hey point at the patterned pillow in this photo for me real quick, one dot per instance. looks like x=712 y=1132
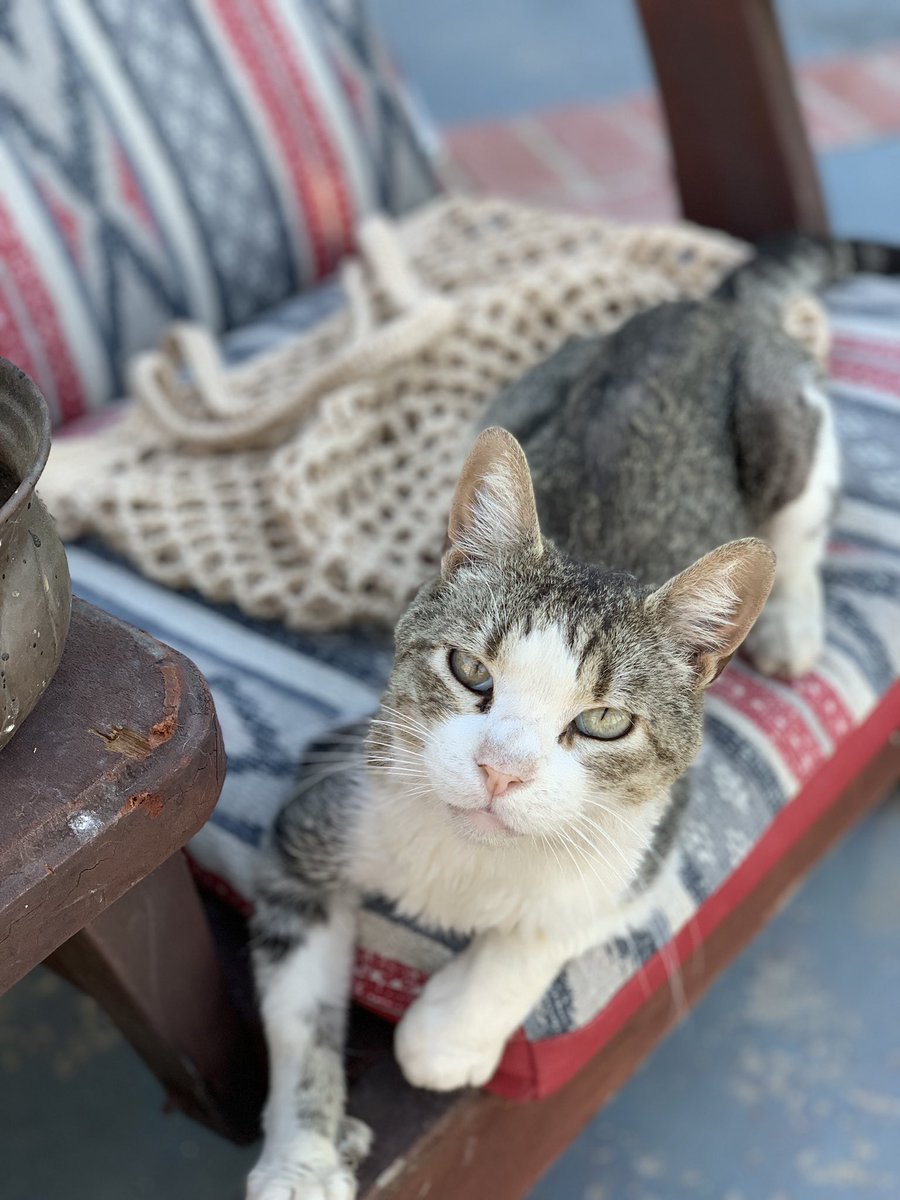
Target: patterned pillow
x=173 y=158
x=774 y=756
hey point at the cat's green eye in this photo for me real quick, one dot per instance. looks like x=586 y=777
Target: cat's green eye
x=470 y=672
x=606 y=724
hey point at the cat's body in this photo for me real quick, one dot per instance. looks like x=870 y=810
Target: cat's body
x=545 y=699
x=642 y=445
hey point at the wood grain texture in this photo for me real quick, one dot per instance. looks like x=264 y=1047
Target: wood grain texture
x=118 y=766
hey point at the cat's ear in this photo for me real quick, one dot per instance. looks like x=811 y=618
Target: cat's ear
x=710 y=608
x=493 y=510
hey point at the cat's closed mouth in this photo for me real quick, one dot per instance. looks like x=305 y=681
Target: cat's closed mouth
x=482 y=821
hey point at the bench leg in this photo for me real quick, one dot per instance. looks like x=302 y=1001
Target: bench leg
x=150 y=962
x=742 y=157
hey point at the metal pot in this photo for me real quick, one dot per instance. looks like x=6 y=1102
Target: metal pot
x=35 y=593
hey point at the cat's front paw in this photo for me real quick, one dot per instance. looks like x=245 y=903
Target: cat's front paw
x=435 y=1053
x=303 y=1175
x=788 y=637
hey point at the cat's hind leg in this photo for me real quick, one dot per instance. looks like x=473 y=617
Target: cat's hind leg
x=303 y=936
x=789 y=634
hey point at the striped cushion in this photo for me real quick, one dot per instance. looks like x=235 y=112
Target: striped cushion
x=774 y=757
x=169 y=158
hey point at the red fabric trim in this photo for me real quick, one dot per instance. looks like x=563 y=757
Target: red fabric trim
x=309 y=153
x=883 y=379
x=384 y=986
x=13 y=344
x=783 y=727
x=217 y=885
x=826 y=704
x=532 y=1071
x=884 y=344
x=64 y=385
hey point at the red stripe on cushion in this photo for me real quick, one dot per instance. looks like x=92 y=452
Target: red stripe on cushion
x=384 y=986
x=130 y=190
x=778 y=721
x=532 y=1071
x=309 y=152
x=12 y=340
x=65 y=219
x=868 y=362
x=64 y=385
x=880 y=379
x=830 y=710
x=847 y=344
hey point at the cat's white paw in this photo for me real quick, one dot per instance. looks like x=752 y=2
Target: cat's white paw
x=354 y=1141
x=788 y=637
x=321 y=1177
x=437 y=1053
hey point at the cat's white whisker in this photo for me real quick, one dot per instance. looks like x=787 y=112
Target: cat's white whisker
x=545 y=841
x=670 y=964
x=617 y=816
x=567 y=841
x=412 y=721
x=579 y=871
x=616 y=873
x=585 y=821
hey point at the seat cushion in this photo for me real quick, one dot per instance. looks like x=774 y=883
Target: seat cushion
x=775 y=756
x=202 y=158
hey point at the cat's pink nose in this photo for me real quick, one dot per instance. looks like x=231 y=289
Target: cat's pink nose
x=497 y=781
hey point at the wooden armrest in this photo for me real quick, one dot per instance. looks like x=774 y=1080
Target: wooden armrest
x=743 y=162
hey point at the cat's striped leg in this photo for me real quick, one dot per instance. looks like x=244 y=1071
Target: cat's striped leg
x=789 y=634
x=303 y=953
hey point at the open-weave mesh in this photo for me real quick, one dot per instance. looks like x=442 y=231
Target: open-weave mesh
x=312 y=484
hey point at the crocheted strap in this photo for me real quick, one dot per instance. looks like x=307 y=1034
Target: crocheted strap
x=223 y=420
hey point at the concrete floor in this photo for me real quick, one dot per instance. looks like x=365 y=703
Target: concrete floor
x=784 y=1084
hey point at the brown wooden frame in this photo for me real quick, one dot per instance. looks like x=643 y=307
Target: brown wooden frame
x=742 y=158
x=117 y=767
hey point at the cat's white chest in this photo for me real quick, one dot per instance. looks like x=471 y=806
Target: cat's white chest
x=409 y=853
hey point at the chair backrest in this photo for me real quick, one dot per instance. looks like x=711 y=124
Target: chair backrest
x=181 y=158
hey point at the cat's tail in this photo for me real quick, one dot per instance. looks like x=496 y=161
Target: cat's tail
x=802 y=262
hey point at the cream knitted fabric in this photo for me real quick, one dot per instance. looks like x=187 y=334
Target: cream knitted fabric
x=312 y=484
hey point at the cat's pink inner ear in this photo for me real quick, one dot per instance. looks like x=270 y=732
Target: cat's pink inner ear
x=710 y=607
x=493 y=510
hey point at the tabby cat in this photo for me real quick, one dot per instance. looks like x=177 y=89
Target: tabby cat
x=547 y=688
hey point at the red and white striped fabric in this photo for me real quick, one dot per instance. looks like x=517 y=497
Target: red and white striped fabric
x=181 y=158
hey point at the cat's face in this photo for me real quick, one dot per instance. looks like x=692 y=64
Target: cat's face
x=537 y=697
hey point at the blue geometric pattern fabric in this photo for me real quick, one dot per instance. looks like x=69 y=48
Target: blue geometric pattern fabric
x=181 y=158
